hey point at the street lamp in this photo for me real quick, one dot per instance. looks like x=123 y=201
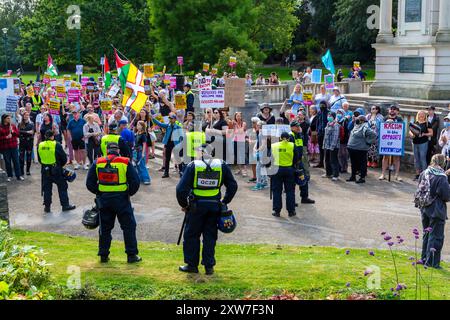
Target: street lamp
x=5 y=31
x=77 y=19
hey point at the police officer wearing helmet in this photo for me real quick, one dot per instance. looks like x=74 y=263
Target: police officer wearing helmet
x=113 y=137
x=198 y=193
x=296 y=137
x=52 y=157
x=284 y=158
x=113 y=179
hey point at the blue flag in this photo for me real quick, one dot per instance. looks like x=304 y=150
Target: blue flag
x=327 y=60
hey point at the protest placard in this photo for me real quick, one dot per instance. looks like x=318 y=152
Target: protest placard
x=73 y=95
x=106 y=106
x=149 y=70
x=180 y=101
x=84 y=81
x=147 y=87
x=316 y=76
x=173 y=82
x=214 y=70
x=166 y=79
x=392 y=139
x=53 y=83
x=329 y=81
x=205 y=67
x=30 y=91
x=54 y=106
x=233 y=61
x=67 y=77
x=61 y=91
x=180 y=60
x=11 y=103
x=212 y=99
x=235 y=92
x=294 y=74
x=283 y=128
x=204 y=83
x=307 y=97
x=46 y=79
x=113 y=91
x=79 y=70
x=357 y=65
x=269 y=130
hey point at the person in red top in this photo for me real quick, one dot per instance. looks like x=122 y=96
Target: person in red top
x=9 y=135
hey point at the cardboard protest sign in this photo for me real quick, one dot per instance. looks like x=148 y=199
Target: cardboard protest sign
x=54 y=106
x=147 y=87
x=307 y=97
x=180 y=101
x=113 y=91
x=392 y=139
x=106 y=106
x=233 y=61
x=214 y=99
x=180 y=60
x=235 y=92
x=73 y=94
x=61 y=91
x=11 y=103
x=204 y=83
x=30 y=91
x=316 y=76
x=149 y=70
x=329 y=81
x=214 y=70
x=166 y=79
x=16 y=84
x=205 y=67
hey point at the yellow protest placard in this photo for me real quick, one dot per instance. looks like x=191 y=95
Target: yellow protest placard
x=54 y=106
x=106 y=106
x=180 y=101
x=356 y=64
x=307 y=96
x=233 y=60
x=67 y=77
x=214 y=70
x=60 y=89
x=205 y=67
x=149 y=70
x=30 y=91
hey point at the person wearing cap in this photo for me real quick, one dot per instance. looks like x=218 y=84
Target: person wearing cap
x=284 y=158
x=172 y=137
x=331 y=144
x=266 y=114
x=113 y=179
x=199 y=195
x=392 y=117
x=113 y=137
x=336 y=100
x=190 y=98
x=297 y=138
x=75 y=127
x=126 y=134
x=434 y=121
x=53 y=158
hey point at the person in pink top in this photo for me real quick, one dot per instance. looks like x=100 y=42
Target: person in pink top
x=239 y=139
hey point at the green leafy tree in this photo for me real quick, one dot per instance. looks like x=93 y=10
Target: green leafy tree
x=245 y=63
x=322 y=21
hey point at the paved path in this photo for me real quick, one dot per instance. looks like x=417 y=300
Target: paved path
x=345 y=215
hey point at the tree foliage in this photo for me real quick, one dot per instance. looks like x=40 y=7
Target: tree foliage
x=245 y=63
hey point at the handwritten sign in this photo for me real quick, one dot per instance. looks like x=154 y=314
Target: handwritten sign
x=329 y=81
x=106 y=106
x=180 y=101
x=307 y=97
x=212 y=99
x=392 y=139
x=316 y=76
x=204 y=83
x=54 y=106
x=149 y=70
x=11 y=103
x=113 y=91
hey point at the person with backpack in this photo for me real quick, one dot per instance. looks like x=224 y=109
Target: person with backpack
x=431 y=196
x=361 y=138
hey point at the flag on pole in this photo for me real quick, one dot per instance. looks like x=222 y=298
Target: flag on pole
x=51 y=68
x=327 y=60
x=107 y=73
x=132 y=82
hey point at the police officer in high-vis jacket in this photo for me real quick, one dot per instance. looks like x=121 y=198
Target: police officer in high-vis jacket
x=283 y=159
x=113 y=179
x=52 y=157
x=114 y=137
x=198 y=193
x=302 y=160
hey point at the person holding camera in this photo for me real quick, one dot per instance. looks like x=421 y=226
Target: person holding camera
x=53 y=158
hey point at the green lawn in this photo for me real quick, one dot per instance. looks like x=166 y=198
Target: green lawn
x=253 y=271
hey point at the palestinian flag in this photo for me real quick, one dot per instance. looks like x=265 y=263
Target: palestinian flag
x=132 y=82
x=51 y=68
x=107 y=74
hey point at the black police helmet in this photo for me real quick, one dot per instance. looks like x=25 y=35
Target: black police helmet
x=49 y=134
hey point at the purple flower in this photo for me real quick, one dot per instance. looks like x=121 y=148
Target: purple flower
x=419 y=262
x=411 y=258
x=400 y=240
x=347 y=284
x=367 y=272
x=400 y=287
x=371 y=253
x=429 y=229
x=347 y=252
x=395 y=294
x=432 y=250
x=398 y=237
x=383 y=233
x=413 y=264
x=415 y=231
x=392 y=289
x=416 y=236
x=390 y=244
x=387 y=238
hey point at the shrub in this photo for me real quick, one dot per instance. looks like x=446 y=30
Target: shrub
x=245 y=63
x=23 y=271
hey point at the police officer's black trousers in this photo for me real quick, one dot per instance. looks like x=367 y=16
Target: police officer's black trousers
x=433 y=240
x=47 y=186
x=284 y=177
x=117 y=205
x=201 y=222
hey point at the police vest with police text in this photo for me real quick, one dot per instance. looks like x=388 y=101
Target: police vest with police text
x=112 y=174
x=298 y=142
x=207 y=178
x=194 y=140
x=283 y=153
x=36 y=102
x=47 y=152
x=109 y=138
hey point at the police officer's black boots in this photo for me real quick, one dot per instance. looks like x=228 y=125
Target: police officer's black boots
x=276 y=214
x=69 y=207
x=104 y=259
x=292 y=214
x=188 y=269
x=134 y=258
x=209 y=271
x=47 y=209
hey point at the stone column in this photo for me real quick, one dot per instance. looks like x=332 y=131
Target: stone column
x=443 y=33
x=385 y=34
x=4 y=212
